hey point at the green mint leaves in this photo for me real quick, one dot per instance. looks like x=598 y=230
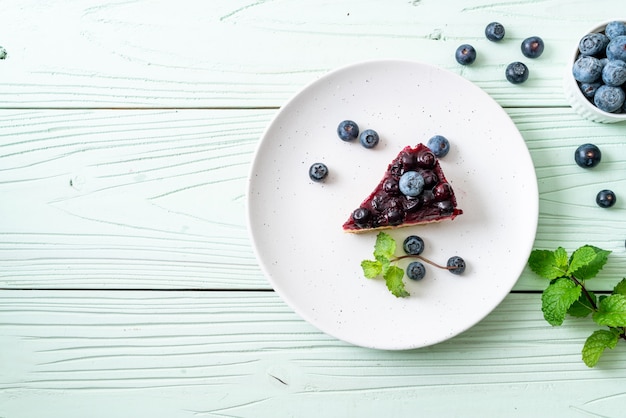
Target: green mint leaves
x=567 y=295
x=384 y=257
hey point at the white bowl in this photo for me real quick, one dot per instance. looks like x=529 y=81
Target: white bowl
x=576 y=99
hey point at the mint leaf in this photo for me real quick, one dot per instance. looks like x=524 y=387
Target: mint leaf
x=548 y=264
x=385 y=246
x=557 y=298
x=582 y=307
x=393 y=278
x=620 y=288
x=587 y=261
x=611 y=311
x=371 y=268
x=595 y=345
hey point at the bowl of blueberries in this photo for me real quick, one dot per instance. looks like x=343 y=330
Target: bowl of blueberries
x=595 y=79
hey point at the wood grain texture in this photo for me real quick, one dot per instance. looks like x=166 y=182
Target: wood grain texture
x=155 y=199
x=245 y=53
x=245 y=354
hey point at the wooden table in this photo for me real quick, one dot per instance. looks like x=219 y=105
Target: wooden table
x=129 y=285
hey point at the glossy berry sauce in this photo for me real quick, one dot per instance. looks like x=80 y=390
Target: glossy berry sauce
x=388 y=207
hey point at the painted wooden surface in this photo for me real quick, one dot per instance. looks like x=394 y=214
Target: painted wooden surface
x=128 y=286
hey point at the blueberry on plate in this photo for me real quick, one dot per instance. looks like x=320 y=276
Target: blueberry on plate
x=587 y=155
x=494 y=31
x=516 y=72
x=416 y=270
x=614 y=73
x=606 y=198
x=456 y=265
x=439 y=145
x=318 y=171
x=609 y=98
x=348 y=130
x=593 y=44
x=587 y=69
x=369 y=138
x=413 y=245
x=532 y=47
x=411 y=184
x=465 y=54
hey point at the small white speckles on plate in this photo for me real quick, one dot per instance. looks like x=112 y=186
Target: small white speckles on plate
x=295 y=224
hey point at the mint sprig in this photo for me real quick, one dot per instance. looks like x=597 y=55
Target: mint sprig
x=567 y=294
x=383 y=264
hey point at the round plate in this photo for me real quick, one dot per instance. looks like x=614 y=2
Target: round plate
x=296 y=224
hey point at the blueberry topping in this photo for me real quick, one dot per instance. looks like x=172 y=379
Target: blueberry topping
x=318 y=171
x=532 y=47
x=413 y=245
x=465 y=54
x=390 y=185
x=430 y=178
x=445 y=207
x=608 y=98
x=394 y=215
x=442 y=191
x=426 y=159
x=369 y=138
x=494 y=31
x=361 y=216
x=411 y=183
x=516 y=72
x=439 y=145
x=606 y=198
x=412 y=204
x=587 y=155
x=348 y=130
x=614 y=73
x=593 y=44
x=416 y=270
x=378 y=202
x=408 y=161
x=457 y=264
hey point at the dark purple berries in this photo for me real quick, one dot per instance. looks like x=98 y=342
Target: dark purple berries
x=413 y=245
x=494 y=31
x=361 y=216
x=416 y=271
x=456 y=265
x=587 y=155
x=348 y=130
x=606 y=198
x=532 y=47
x=465 y=54
x=318 y=172
x=516 y=72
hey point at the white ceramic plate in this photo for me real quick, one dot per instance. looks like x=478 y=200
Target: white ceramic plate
x=295 y=224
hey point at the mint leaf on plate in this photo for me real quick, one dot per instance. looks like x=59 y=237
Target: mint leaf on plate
x=371 y=268
x=393 y=279
x=557 y=298
x=385 y=246
x=595 y=345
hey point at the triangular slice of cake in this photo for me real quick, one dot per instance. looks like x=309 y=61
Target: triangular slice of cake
x=413 y=191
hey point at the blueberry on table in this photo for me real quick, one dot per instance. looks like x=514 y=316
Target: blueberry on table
x=413 y=245
x=318 y=171
x=615 y=29
x=532 y=47
x=606 y=198
x=465 y=54
x=609 y=98
x=516 y=72
x=587 y=69
x=616 y=49
x=411 y=184
x=416 y=270
x=614 y=73
x=348 y=130
x=439 y=145
x=587 y=155
x=456 y=265
x=494 y=31
x=369 y=138
x=593 y=44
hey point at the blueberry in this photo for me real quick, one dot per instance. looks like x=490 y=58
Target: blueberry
x=394 y=215
x=494 y=31
x=614 y=73
x=413 y=245
x=532 y=47
x=457 y=264
x=348 y=130
x=587 y=69
x=426 y=159
x=416 y=270
x=616 y=49
x=411 y=183
x=361 y=216
x=593 y=44
x=606 y=198
x=465 y=54
x=609 y=99
x=369 y=138
x=318 y=171
x=587 y=155
x=516 y=72
x=615 y=29
x=589 y=89
x=442 y=191
x=439 y=145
